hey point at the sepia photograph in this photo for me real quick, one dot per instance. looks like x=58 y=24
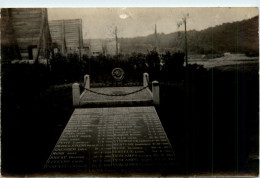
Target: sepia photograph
x=129 y=91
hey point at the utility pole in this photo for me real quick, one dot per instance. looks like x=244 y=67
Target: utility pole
x=186 y=47
x=116 y=42
x=156 y=38
x=187 y=85
x=184 y=21
x=80 y=43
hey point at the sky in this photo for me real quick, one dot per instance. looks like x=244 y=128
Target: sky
x=129 y=3
x=132 y=22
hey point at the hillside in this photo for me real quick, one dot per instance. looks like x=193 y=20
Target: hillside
x=236 y=37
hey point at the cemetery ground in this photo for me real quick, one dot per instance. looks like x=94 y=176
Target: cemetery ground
x=212 y=123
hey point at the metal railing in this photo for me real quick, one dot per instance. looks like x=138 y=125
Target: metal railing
x=123 y=94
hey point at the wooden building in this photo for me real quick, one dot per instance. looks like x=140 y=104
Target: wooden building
x=25 y=34
x=67 y=36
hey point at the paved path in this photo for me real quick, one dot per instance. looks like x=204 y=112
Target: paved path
x=119 y=139
x=142 y=98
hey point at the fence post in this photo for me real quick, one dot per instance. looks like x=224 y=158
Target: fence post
x=145 y=79
x=75 y=94
x=156 y=92
x=87 y=81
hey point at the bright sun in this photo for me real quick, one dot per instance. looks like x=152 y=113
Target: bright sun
x=123 y=16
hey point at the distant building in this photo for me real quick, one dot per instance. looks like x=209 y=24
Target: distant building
x=85 y=51
x=67 y=36
x=25 y=34
x=86 y=48
x=96 y=47
x=101 y=46
x=110 y=47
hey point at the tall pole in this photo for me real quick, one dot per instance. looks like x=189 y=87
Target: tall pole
x=156 y=38
x=116 y=42
x=79 y=43
x=187 y=101
x=186 y=48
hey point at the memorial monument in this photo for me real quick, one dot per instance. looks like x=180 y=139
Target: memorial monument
x=117 y=139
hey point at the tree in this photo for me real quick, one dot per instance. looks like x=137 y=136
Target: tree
x=153 y=62
x=173 y=65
